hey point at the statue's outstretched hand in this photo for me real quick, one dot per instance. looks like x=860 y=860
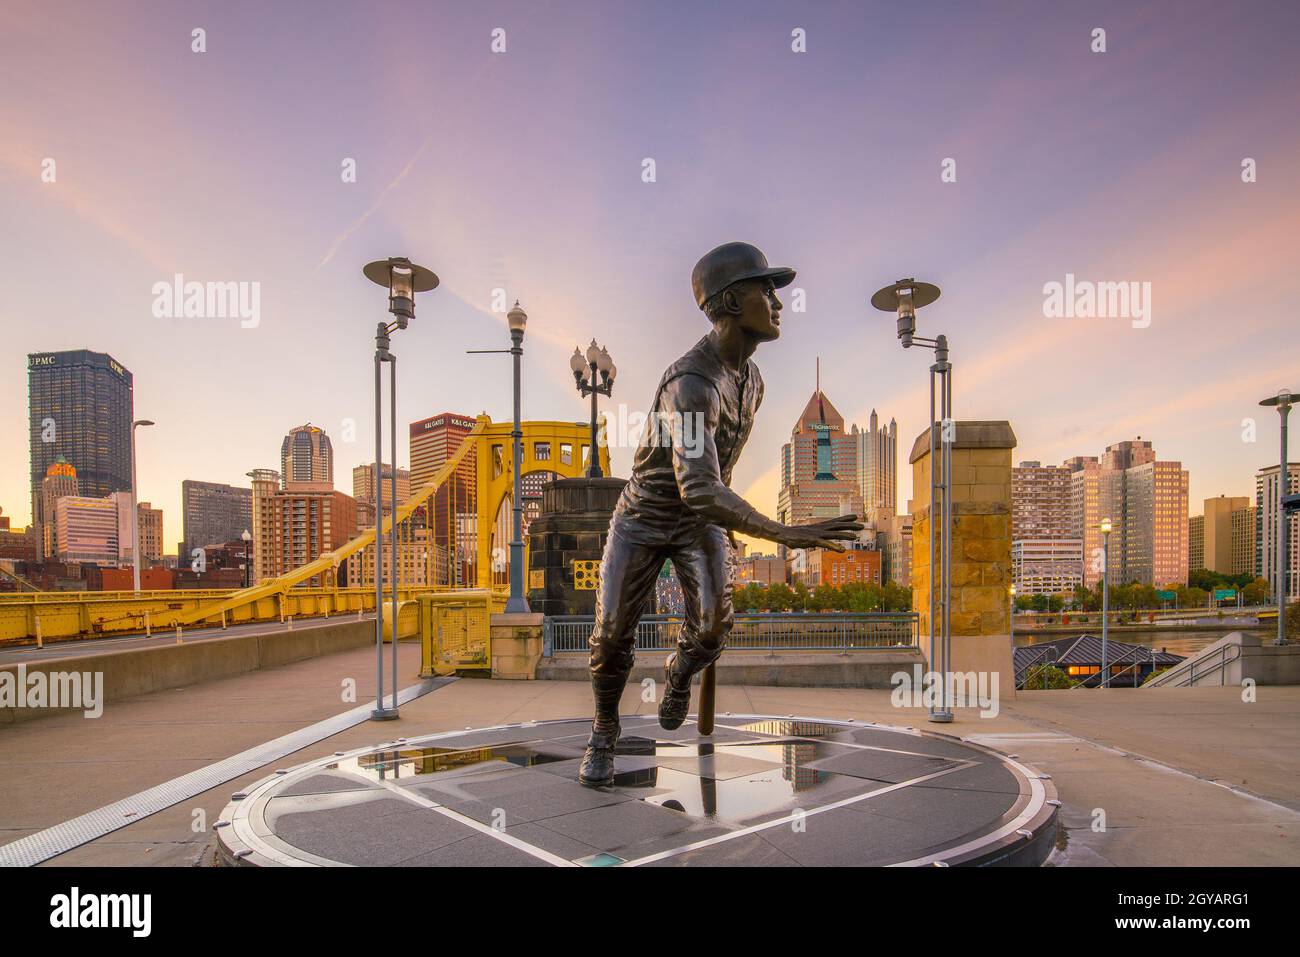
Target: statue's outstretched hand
x=828 y=533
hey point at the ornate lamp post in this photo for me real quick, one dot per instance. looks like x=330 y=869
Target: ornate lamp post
x=1011 y=619
x=135 y=508
x=517 y=602
x=599 y=381
x=403 y=279
x=904 y=298
x=1282 y=402
x=1105 y=527
x=248 y=541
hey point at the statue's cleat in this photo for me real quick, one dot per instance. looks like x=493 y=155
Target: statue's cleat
x=674 y=704
x=597 y=767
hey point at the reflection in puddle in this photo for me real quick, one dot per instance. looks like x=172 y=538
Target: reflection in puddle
x=798 y=729
x=708 y=785
x=389 y=765
x=735 y=800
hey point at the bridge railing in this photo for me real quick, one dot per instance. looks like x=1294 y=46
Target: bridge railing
x=771 y=631
x=51 y=616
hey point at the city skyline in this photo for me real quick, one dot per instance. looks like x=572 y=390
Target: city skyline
x=211 y=179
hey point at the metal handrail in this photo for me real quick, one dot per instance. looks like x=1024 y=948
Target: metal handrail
x=1050 y=655
x=769 y=631
x=1173 y=678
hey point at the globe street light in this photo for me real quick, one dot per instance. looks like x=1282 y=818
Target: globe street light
x=1105 y=527
x=517 y=603
x=903 y=298
x=600 y=381
x=247 y=539
x=135 y=509
x=403 y=279
x=1282 y=402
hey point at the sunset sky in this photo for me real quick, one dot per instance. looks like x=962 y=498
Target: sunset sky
x=523 y=170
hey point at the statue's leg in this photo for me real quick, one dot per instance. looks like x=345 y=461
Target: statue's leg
x=703 y=566
x=628 y=571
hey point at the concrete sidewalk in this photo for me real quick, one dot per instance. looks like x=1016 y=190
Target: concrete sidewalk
x=1181 y=776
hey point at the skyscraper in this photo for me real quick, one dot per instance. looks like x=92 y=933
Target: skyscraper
x=213 y=514
x=1218 y=547
x=1040 y=501
x=1195 y=543
x=363 y=486
x=306 y=456
x=309 y=520
x=1146 y=501
x=1266 y=529
x=1085 y=512
x=60 y=480
x=1046 y=552
x=88 y=528
x=1243 y=541
x=151 y=532
x=265 y=545
x=81 y=409
x=819 y=477
x=877 y=468
x=454 y=515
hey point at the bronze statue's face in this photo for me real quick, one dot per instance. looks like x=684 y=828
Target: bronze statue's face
x=760 y=309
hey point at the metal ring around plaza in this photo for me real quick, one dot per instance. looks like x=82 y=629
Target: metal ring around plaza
x=779 y=790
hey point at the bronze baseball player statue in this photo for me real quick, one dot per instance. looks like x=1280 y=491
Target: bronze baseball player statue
x=678 y=504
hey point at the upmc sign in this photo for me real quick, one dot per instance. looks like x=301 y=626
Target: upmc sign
x=42 y=360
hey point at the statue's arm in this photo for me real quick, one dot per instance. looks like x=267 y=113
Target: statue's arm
x=694 y=403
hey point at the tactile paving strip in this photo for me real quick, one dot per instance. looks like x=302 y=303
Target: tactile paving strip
x=53 y=841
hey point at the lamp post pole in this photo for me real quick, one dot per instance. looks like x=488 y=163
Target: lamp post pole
x=248 y=540
x=135 y=510
x=599 y=380
x=517 y=603
x=904 y=298
x=1105 y=598
x=1011 y=619
x=1282 y=401
x=403 y=279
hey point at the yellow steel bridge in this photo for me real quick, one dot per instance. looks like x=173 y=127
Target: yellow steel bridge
x=441 y=548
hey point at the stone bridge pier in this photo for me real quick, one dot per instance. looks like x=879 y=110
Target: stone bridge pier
x=981 y=547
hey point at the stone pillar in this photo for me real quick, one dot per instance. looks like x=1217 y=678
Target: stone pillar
x=981 y=548
x=516 y=640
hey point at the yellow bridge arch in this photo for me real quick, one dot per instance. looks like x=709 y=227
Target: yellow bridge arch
x=559 y=447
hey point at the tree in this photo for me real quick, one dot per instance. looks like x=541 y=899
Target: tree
x=1256 y=592
x=780 y=597
x=1046 y=677
x=751 y=597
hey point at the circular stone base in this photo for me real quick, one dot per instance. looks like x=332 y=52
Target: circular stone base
x=761 y=790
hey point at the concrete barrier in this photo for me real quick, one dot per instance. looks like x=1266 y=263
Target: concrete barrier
x=139 y=671
x=1232 y=659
